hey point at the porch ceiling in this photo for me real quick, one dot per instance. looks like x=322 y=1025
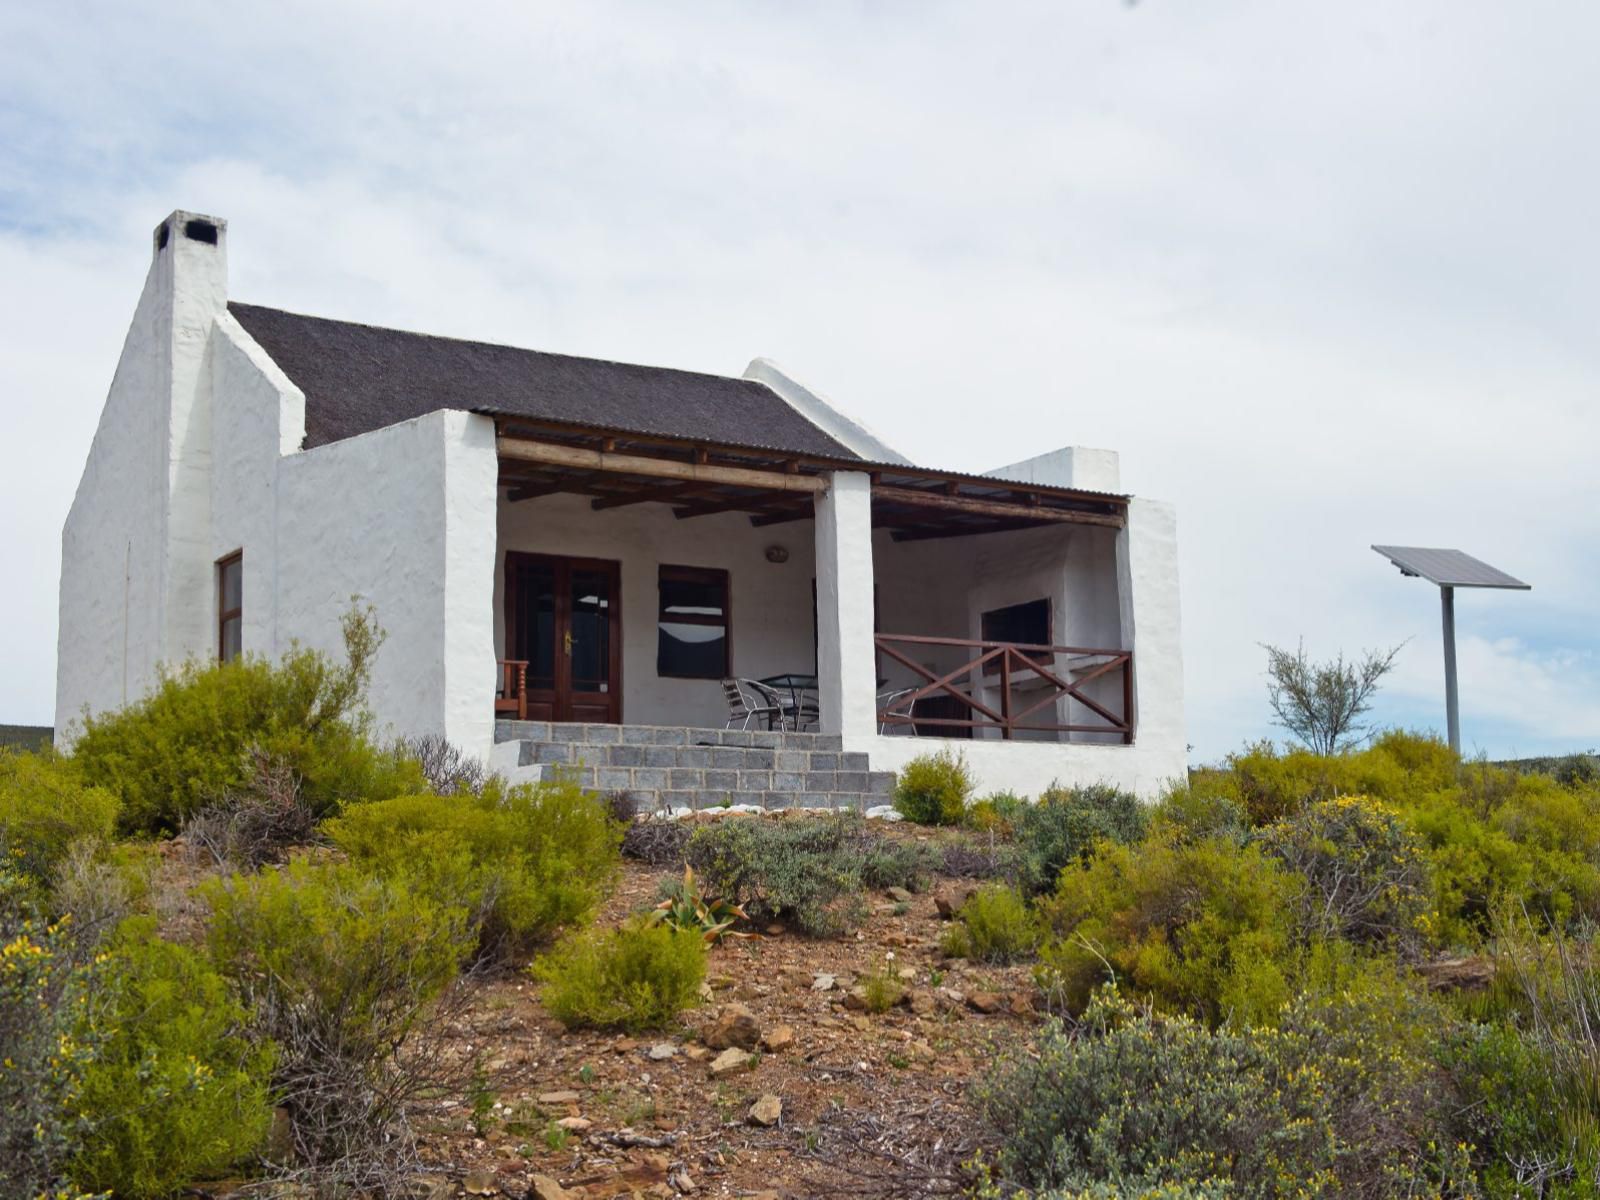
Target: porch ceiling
x=615 y=469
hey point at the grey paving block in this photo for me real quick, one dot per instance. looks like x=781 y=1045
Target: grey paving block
x=851 y=781
x=602 y=735
x=793 y=760
x=724 y=780
x=853 y=760
x=881 y=783
x=686 y=777
x=694 y=756
x=651 y=778
x=613 y=779
x=669 y=735
x=626 y=755
x=822 y=781
x=788 y=781
x=554 y=752
x=827 y=760
x=755 y=781
x=661 y=756
x=566 y=733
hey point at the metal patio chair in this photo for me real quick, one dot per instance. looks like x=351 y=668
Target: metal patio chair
x=750 y=701
x=897 y=703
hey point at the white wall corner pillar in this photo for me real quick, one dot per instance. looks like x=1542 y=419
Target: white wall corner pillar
x=1147 y=583
x=471 y=475
x=846 y=675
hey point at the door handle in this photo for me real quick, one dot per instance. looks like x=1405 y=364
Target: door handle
x=567 y=642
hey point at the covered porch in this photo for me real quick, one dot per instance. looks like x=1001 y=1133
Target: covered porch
x=648 y=581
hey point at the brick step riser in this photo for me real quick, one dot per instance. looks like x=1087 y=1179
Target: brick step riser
x=697 y=777
x=662 y=735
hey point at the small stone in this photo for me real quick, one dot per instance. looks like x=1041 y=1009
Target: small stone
x=779 y=1037
x=856 y=999
x=1020 y=1004
x=774 y=930
x=567 y=1097
x=480 y=1183
x=735 y=1025
x=575 y=1124
x=822 y=983
x=899 y=895
x=984 y=1002
x=731 y=1061
x=696 y=1053
x=662 y=1051
x=705 y=990
x=767 y=1111
x=907 y=974
x=624 y=1045
x=862 y=1024
x=920 y=1002
x=545 y=1188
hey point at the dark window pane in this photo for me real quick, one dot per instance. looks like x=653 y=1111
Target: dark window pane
x=232 y=584
x=704 y=597
x=1026 y=623
x=232 y=638
x=691 y=651
x=591 y=631
x=536 y=625
x=692 y=625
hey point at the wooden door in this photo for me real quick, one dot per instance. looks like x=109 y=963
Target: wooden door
x=564 y=618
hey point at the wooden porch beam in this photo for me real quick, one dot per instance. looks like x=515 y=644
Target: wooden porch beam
x=579 y=458
x=756 y=504
x=782 y=518
x=672 y=491
x=914 y=498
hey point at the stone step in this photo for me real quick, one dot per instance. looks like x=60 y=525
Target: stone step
x=660 y=766
x=661 y=735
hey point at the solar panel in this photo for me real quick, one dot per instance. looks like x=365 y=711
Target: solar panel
x=1448 y=568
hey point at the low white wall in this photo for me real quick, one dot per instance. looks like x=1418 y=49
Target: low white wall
x=402 y=519
x=1028 y=768
x=771 y=602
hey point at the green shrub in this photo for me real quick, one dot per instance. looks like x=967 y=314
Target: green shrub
x=995 y=813
x=933 y=789
x=173 y=1094
x=1197 y=810
x=882 y=989
x=44 y=1049
x=1201 y=927
x=1063 y=827
x=340 y=970
x=993 y=926
x=1143 y=1102
x=1366 y=872
x=635 y=978
x=809 y=870
x=45 y=806
x=525 y=859
x=190 y=741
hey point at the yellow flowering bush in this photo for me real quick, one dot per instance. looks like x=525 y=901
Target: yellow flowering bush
x=1366 y=872
x=44 y=997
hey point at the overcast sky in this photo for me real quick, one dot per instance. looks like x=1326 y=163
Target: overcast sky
x=1324 y=274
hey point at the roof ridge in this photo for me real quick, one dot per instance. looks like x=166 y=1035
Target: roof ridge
x=466 y=341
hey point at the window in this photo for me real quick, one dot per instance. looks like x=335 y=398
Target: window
x=230 y=606
x=692 y=628
x=1025 y=624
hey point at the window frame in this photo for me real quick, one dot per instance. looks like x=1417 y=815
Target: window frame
x=719 y=576
x=224 y=615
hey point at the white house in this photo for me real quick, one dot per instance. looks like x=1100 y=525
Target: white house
x=570 y=557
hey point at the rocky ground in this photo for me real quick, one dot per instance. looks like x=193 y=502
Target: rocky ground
x=781 y=1084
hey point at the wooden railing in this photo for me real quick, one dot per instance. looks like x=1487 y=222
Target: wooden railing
x=512 y=696
x=1006 y=664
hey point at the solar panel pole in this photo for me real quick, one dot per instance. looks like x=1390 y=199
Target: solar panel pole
x=1452 y=705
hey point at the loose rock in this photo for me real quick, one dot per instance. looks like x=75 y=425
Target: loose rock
x=730 y=1062
x=662 y=1051
x=565 y=1097
x=984 y=1002
x=779 y=1037
x=737 y=1026
x=545 y=1188
x=766 y=1111
x=480 y=1183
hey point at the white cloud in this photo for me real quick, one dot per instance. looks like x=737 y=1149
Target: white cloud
x=1325 y=275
